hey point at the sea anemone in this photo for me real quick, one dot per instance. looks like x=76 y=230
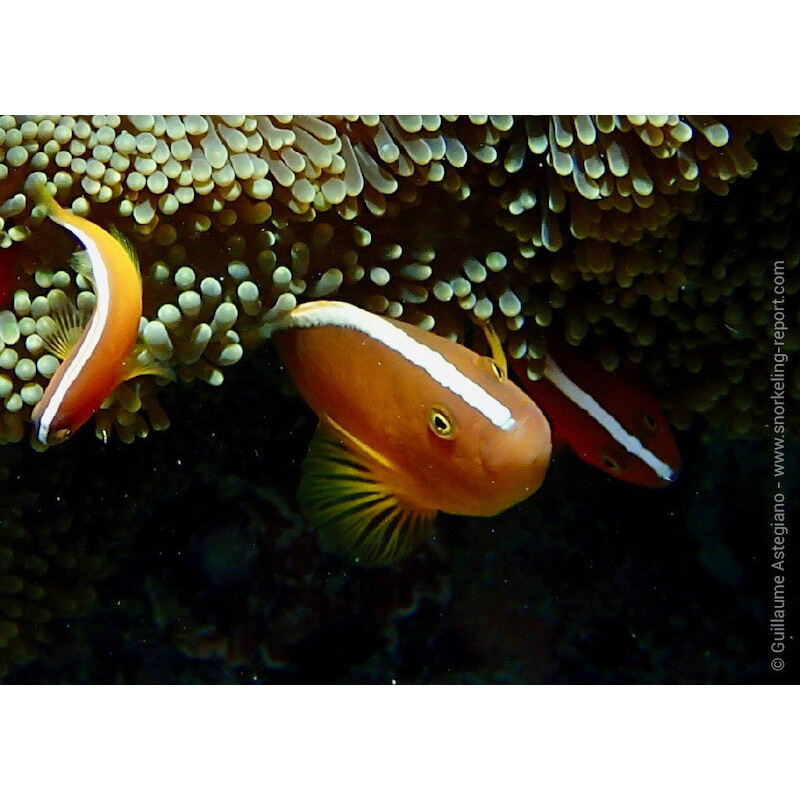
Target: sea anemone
x=643 y=239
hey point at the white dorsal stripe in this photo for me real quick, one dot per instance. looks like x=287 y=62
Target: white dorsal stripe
x=343 y=315
x=97 y=325
x=585 y=401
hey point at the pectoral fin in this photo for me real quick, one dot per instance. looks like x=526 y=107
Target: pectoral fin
x=67 y=325
x=346 y=491
x=82 y=264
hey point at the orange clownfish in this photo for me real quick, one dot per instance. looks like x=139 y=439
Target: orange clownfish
x=94 y=365
x=607 y=418
x=410 y=423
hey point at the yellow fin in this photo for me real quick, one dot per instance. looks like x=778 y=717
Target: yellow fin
x=127 y=245
x=354 y=513
x=79 y=261
x=68 y=327
x=498 y=354
x=134 y=367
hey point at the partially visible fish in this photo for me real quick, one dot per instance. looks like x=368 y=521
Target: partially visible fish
x=608 y=418
x=8 y=274
x=98 y=357
x=410 y=423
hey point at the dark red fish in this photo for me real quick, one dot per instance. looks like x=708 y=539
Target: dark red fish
x=8 y=274
x=609 y=419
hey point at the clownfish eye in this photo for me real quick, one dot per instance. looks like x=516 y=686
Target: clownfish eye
x=649 y=422
x=612 y=464
x=441 y=423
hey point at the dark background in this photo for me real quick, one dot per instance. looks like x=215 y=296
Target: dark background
x=193 y=564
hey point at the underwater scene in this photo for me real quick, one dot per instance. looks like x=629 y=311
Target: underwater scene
x=411 y=399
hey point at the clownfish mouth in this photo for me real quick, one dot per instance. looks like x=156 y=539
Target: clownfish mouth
x=513 y=466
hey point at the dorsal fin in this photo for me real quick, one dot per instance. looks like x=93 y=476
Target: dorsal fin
x=127 y=246
x=498 y=354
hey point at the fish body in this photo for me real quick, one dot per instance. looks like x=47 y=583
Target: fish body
x=95 y=365
x=424 y=425
x=8 y=274
x=609 y=419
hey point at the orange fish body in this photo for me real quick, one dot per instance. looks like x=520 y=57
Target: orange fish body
x=96 y=364
x=434 y=425
x=608 y=418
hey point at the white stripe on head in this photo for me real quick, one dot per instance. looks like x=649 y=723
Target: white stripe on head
x=97 y=324
x=343 y=315
x=585 y=401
